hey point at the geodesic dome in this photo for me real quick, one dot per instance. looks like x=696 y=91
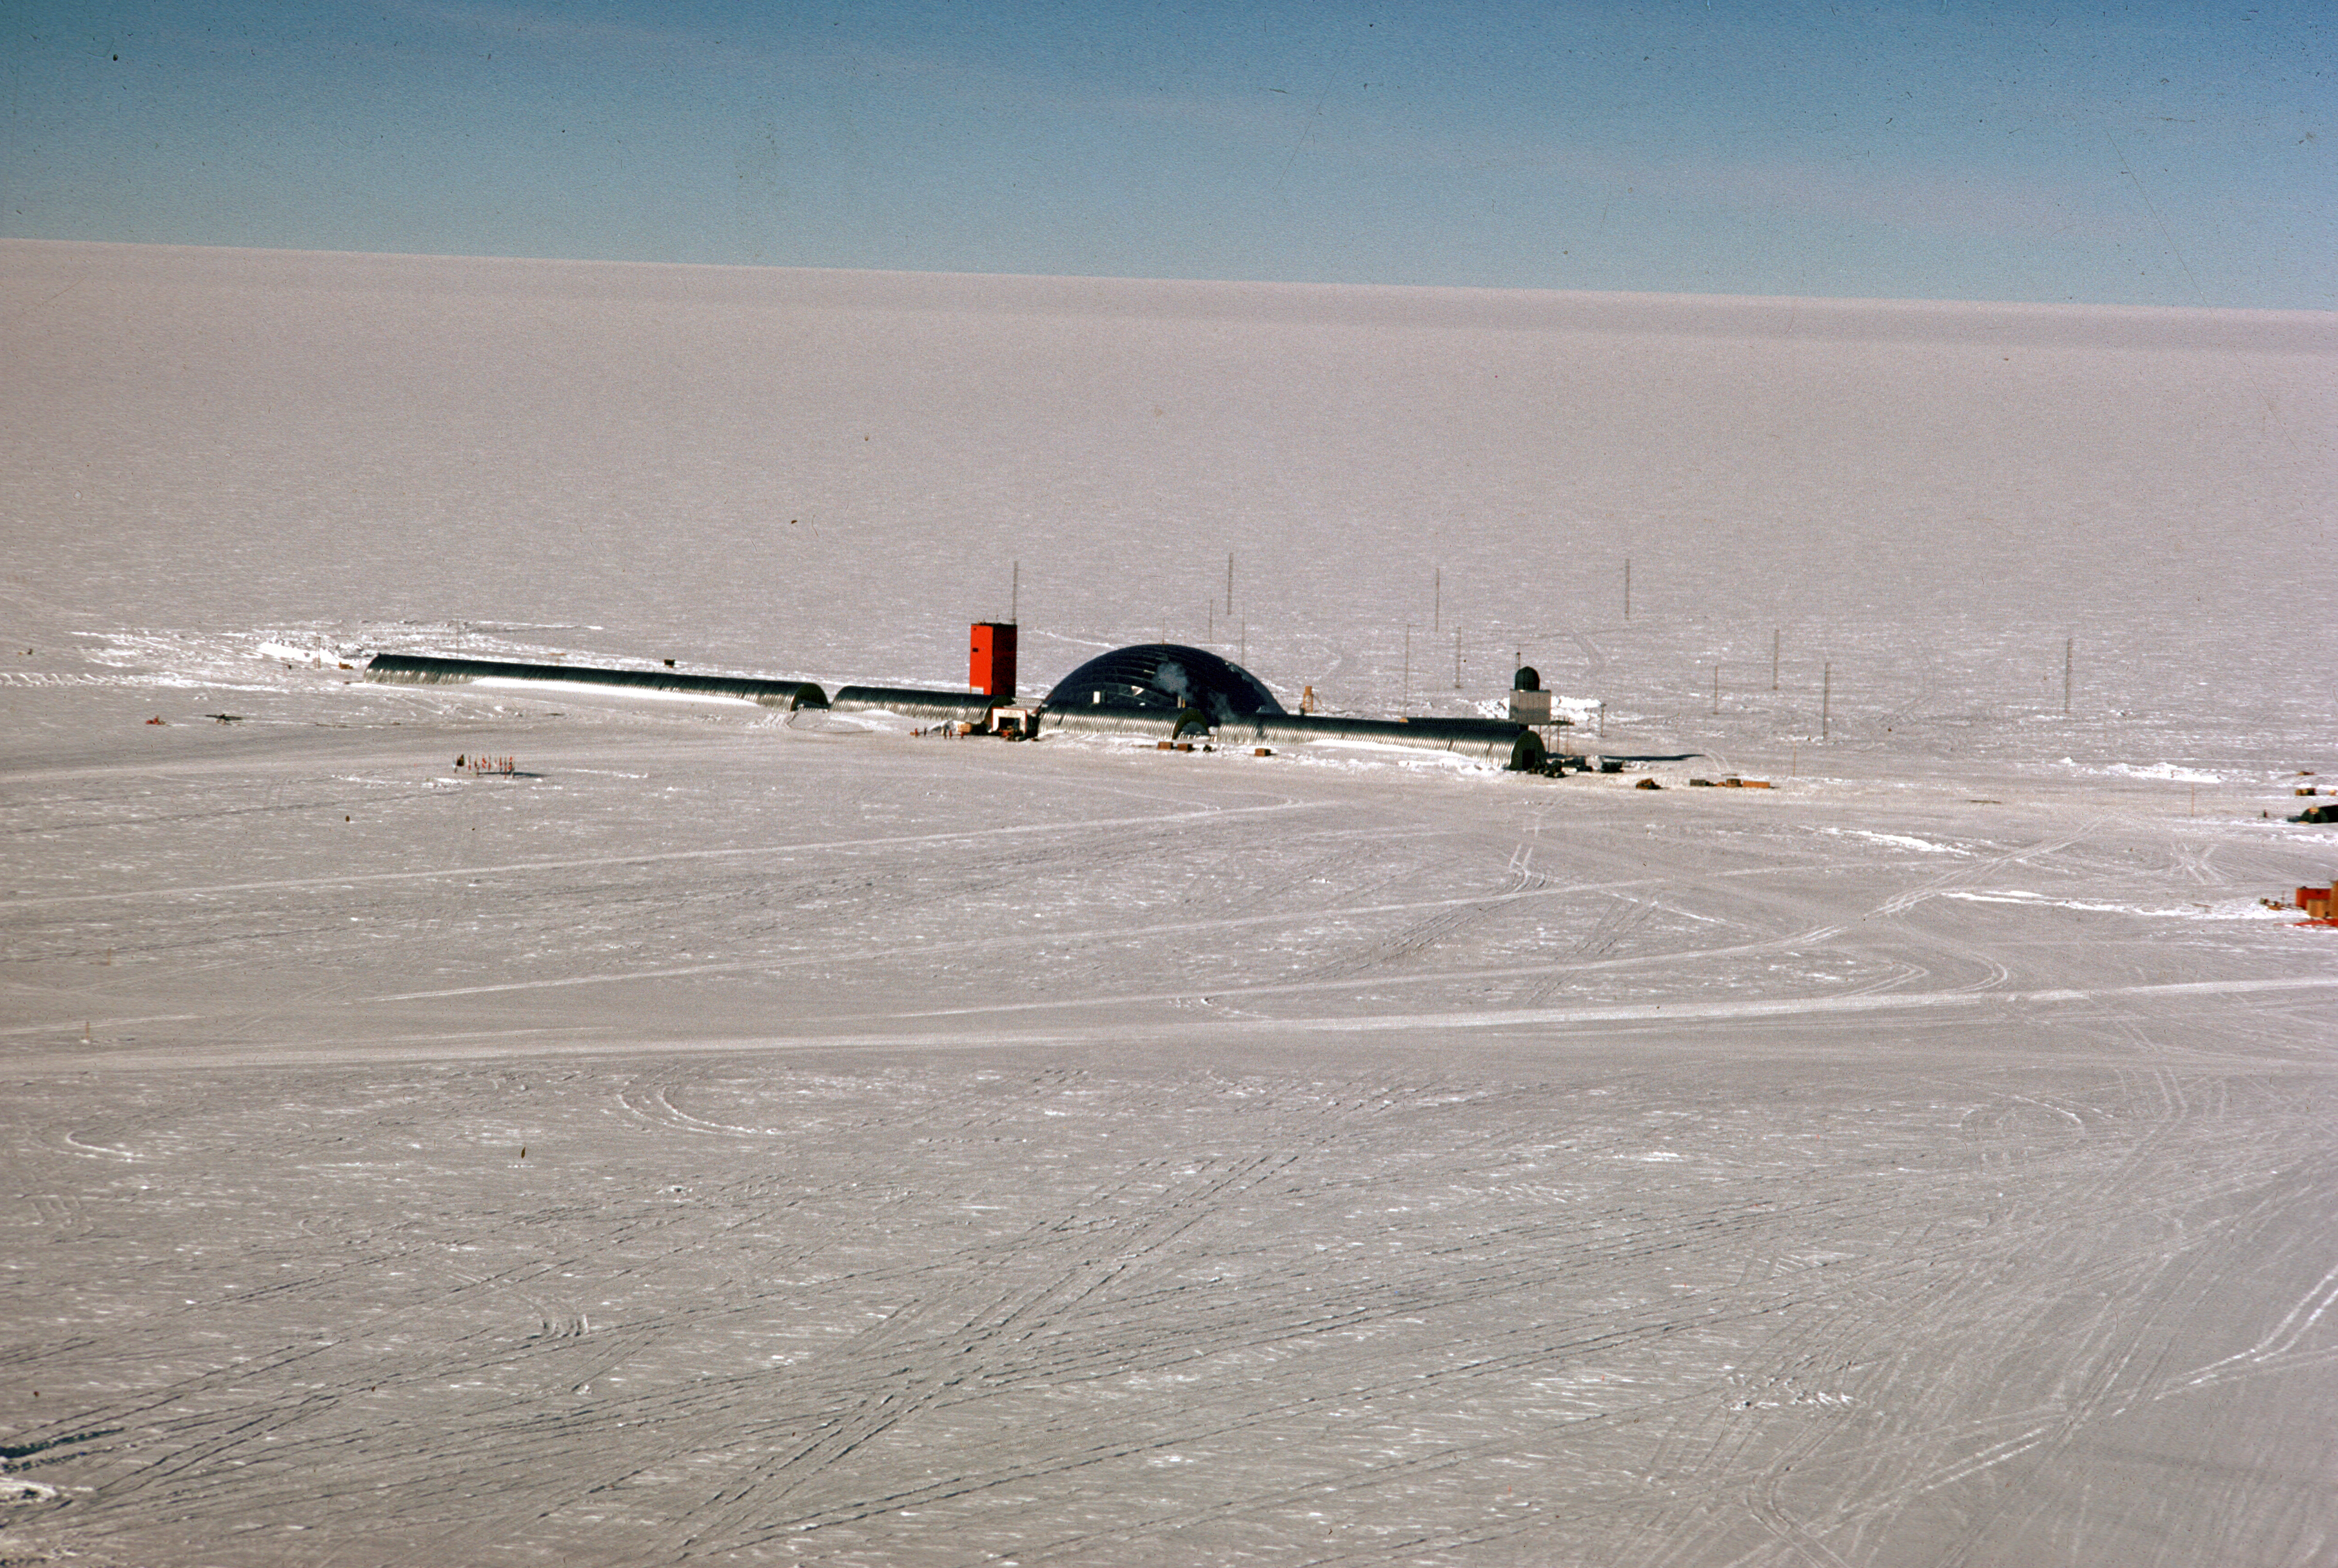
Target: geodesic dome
x=1167 y=676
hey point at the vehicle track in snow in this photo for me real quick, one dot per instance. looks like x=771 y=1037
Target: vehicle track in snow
x=1182 y=1265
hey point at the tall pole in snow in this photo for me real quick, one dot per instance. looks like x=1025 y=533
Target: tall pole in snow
x=1774 y=659
x=1826 y=698
x=1628 y=587
x=2070 y=644
x=1457 y=658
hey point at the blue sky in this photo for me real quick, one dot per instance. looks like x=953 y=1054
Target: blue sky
x=2152 y=155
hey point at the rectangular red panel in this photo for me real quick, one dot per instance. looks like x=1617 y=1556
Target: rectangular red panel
x=991 y=664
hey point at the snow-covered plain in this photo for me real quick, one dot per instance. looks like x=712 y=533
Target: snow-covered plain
x=750 y=1137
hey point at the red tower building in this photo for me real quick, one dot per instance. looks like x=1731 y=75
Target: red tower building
x=990 y=668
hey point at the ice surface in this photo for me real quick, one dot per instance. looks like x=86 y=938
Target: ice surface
x=748 y=1137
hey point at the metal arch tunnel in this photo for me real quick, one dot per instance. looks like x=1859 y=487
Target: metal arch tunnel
x=915 y=702
x=1514 y=747
x=424 y=670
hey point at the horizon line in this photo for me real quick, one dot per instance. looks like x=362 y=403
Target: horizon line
x=1446 y=289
